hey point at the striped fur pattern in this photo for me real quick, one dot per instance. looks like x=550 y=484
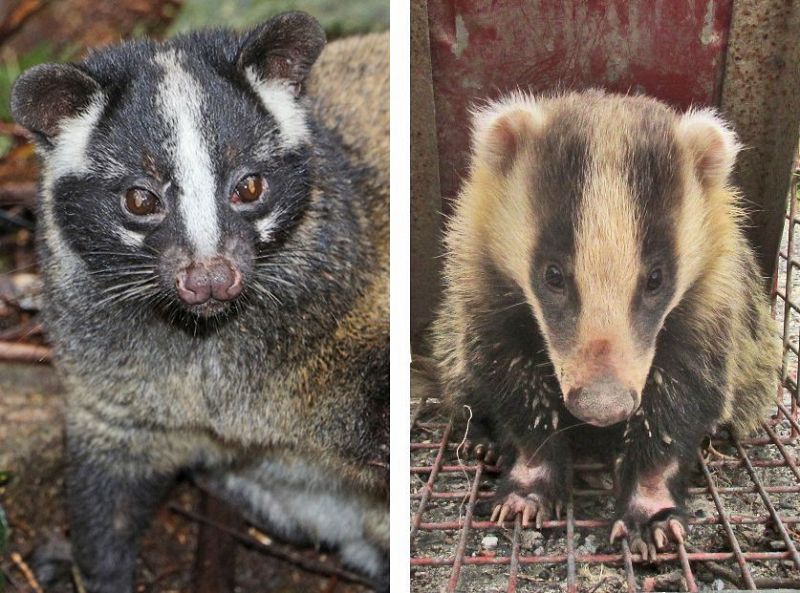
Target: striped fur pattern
x=598 y=280
x=278 y=399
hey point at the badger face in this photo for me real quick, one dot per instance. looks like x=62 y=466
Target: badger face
x=599 y=205
x=173 y=171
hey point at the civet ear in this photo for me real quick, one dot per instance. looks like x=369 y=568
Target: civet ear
x=46 y=95
x=284 y=48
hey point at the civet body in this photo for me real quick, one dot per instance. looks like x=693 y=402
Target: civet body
x=214 y=243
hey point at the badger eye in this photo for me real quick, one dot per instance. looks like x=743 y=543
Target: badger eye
x=654 y=280
x=250 y=189
x=554 y=277
x=142 y=202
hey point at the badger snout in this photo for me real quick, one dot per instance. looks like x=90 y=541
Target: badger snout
x=603 y=402
x=218 y=278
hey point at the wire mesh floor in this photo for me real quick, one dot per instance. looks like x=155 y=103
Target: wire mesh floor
x=744 y=504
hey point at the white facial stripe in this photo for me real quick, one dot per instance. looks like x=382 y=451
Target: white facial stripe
x=278 y=99
x=266 y=226
x=608 y=258
x=179 y=100
x=129 y=237
x=69 y=157
x=608 y=262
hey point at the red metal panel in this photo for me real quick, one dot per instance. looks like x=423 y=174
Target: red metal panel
x=482 y=48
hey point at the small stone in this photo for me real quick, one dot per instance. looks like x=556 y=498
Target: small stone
x=539 y=551
x=718 y=584
x=489 y=542
x=777 y=545
x=531 y=539
x=590 y=543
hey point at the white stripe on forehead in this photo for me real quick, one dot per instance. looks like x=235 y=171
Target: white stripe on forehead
x=179 y=102
x=278 y=98
x=607 y=251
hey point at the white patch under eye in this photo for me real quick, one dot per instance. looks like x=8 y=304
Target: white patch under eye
x=267 y=226
x=129 y=237
x=179 y=101
x=278 y=98
x=68 y=156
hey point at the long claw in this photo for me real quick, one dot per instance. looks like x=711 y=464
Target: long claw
x=651 y=552
x=676 y=529
x=526 y=515
x=660 y=538
x=544 y=515
x=618 y=531
x=558 y=510
x=639 y=547
x=495 y=513
x=503 y=513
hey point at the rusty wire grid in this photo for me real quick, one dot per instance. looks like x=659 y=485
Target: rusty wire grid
x=744 y=503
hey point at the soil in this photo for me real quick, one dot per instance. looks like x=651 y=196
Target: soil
x=607 y=578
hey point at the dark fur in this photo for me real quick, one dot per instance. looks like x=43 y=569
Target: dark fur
x=288 y=387
x=493 y=355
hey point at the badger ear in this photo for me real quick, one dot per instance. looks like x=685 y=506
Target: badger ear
x=283 y=48
x=45 y=95
x=711 y=143
x=501 y=130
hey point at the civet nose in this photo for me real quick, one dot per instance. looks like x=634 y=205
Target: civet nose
x=200 y=281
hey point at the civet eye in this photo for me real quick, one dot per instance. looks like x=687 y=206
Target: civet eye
x=142 y=202
x=250 y=189
x=654 y=280
x=554 y=277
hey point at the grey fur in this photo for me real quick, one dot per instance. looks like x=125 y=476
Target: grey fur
x=283 y=396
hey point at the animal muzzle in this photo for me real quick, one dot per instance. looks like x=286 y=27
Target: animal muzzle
x=200 y=281
x=602 y=402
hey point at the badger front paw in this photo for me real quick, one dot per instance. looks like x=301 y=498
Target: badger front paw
x=480 y=449
x=648 y=535
x=531 y=506
x=530 y=489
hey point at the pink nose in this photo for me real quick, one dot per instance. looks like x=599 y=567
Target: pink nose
x=200 y=281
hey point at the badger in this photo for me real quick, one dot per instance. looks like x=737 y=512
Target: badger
x=214 y=243
x=600 y=294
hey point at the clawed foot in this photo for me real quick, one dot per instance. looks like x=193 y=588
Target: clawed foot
x=653 y=536
x=530 y=506
x=479 y=450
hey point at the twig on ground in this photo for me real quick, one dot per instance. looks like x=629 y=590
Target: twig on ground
x=17 y=17
x=26 y=572
x=77 y=580
x=32 y=327
x=274 y=549
x=732 y=576
x=599 y=584
x=18 y=192
x=20 y=352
